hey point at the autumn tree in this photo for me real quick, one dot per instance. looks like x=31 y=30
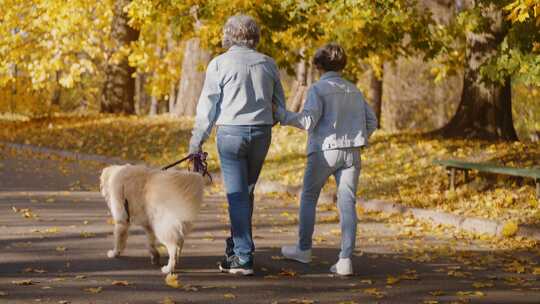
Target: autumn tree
x=485 y=109
x=119 y=85
x=500 y=46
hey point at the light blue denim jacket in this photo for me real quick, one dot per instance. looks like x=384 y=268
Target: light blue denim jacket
x=240 y=87
x=335 y=114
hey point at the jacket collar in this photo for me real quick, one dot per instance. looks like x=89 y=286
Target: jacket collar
x=330 y=74
x=236 y=48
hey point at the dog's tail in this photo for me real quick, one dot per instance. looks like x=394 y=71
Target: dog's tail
x=178 y=193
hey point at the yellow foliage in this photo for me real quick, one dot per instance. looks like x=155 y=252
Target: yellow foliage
x=510 y=228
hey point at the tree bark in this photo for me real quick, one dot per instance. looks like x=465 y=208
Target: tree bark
x=485 y=110
x=192 y=78
x=299 y=86
x=154 y=105
x=57 y=93
x=119 y=87
x=376 y=86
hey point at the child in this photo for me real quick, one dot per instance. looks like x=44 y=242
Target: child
x=339 y=122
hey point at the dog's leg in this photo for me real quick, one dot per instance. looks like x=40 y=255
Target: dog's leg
x=179 y=250
x=120 y=238
x=172 y=249
x=154 y=254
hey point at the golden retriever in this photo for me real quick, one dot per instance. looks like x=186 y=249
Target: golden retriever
x=164 y=203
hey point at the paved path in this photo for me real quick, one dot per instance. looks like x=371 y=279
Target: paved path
x=59 y=248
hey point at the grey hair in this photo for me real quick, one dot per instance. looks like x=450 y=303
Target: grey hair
x=241 y=30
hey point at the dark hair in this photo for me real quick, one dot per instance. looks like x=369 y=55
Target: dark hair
x=330 y=57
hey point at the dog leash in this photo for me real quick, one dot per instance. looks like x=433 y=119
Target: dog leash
x=199 y=163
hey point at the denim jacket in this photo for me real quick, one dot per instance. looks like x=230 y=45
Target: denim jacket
x=335 y=115
x=240 y=87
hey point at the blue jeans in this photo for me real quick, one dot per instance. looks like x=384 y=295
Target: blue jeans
x=242 y=150
x=344 y=164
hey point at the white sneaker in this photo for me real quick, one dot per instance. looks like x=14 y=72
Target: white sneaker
x=342 y=267
x=294 y=253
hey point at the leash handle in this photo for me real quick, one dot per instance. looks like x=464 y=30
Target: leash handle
x=198 y=161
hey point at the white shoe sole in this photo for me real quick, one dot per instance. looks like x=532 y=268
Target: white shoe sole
x=245 y=272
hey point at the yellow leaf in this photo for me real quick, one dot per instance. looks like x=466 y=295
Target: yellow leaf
x=168 y=300
x=229 y=296
x=436 y=293
x=392 y=280
x=172 y=280
x=23 y=282
x=374 y=292
x=301 y=301
x=470 y=293
x=93 y=289
x=482 y=284
x=510 y=228
x=52 y=230
x=120 y=283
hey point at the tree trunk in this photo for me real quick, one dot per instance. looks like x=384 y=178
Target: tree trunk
x=138 y=94
x=192 y=78
x=56 y=94
x=485 y=110
x=376 y=88
x=299 y=86
x=154 y=105
x=119 y=88
x=172 y=98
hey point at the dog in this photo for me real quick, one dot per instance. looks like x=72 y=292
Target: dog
x=164 y=203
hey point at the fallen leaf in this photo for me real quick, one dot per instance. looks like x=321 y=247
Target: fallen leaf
x=35 y=270
x=52 y=230
x=470 y=293
x=436 y=293
x=229 y=296
x=24 y=282
x=301 y=301
x=510 y=228
x=172 y=280
x=374 y=292
x=482 y=284
x=168 y=300
x=390 y=280
x=287 y=273
x=120 y=283
x=93 y=289
x=86 y=234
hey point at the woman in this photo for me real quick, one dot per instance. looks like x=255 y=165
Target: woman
x=240 y=87
x=339 y=122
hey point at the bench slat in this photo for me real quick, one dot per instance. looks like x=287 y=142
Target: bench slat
x=488 y=167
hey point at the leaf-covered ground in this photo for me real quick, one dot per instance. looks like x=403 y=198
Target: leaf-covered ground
x=396 y=167
x=54 y=241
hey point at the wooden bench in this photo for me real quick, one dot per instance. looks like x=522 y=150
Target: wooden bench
x=452 y=166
